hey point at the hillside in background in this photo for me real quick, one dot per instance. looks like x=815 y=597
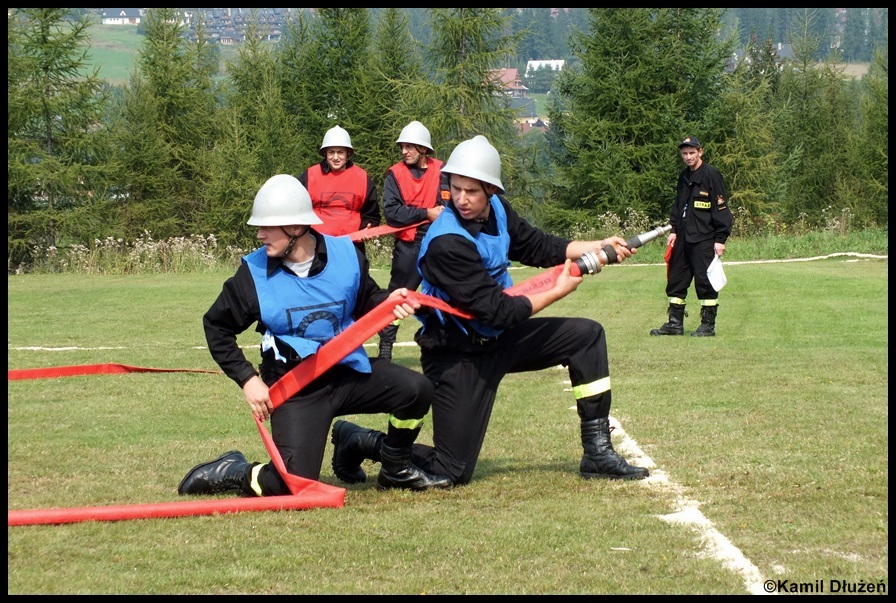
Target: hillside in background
x=114 y=51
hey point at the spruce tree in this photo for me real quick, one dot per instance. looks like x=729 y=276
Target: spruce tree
x=819 y=133
x=393 y=76
x=743 y=146
x=855 y=44
x=55 y=155
x=467 y=46
x=646 y=78
x=295 y=55
x=254 y=93
x=178 y=74
x=256 y=139
x=873 y=141
x=144 y=197
x=232 y=184
x=335 y=67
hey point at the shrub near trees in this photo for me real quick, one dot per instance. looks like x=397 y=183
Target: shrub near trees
x=180 y=152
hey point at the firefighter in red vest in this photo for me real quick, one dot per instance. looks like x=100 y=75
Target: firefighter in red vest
x=414 y=191
x=342 y=193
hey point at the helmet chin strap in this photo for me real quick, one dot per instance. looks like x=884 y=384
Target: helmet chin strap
x=292 y=240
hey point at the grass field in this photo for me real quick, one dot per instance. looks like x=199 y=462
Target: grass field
x=113 y=51
x=768 y=449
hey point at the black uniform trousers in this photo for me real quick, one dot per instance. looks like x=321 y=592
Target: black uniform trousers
x=404 y=274
x=690 y=261
x=467 y=384
x=300 y=426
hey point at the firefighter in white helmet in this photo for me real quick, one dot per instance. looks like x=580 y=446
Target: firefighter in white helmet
x=464 y=259
x=342 y=193
x=414 y=191
x=297 y=305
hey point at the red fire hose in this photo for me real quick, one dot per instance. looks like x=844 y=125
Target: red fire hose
x=376 y=231
x=306 y=493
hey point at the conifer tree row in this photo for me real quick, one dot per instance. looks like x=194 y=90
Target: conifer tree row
x=182 y=147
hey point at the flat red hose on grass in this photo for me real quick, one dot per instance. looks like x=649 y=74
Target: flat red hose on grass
x=306 y=493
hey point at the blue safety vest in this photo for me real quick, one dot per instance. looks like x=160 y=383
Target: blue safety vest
x=493 y=250
x=307 y=312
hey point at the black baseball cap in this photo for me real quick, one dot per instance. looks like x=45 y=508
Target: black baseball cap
x=690 y=141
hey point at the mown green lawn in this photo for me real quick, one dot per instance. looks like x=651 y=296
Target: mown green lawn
x=771 y=439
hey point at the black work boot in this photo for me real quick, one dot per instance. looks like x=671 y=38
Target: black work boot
x=398 y=472
x=600 y=460
x=385 y=350
x=387 y=339
x=220 y=475
x=351 y=445
x=707 y=326
x=675 y=326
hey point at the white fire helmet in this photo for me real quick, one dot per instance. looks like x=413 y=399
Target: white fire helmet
x=283 y=201
x=415 y=133
x=476 y=158
x=336 y=137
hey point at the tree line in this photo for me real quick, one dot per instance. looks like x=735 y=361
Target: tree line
x=544 y=32
x=180 y=150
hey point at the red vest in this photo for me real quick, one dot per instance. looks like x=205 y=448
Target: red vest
x=422 y=192
x=337 y=198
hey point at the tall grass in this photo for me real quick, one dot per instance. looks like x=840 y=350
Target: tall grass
x=203 y=253
x=197 y=253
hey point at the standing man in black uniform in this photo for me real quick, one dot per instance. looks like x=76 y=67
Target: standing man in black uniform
x=464 y=259
x=414 y=191
x=301 y=288
x=701 y=223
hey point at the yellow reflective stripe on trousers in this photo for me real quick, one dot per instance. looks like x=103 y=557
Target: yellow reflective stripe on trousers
x=253 y=483
x=677 y=301
x=591 y=389
x=407 y=424
x=710 y=302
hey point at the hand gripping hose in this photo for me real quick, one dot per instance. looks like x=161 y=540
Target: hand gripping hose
x=589 y=263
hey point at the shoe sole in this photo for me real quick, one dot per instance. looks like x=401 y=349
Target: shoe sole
x=382 y=488
x=615 y=477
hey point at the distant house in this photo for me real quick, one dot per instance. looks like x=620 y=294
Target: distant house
x=554 y=65
x=121 y=16
x=230 y=37
x=510 y=82
x=526 y=125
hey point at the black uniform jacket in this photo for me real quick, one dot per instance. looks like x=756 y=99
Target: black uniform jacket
x=236 y=309
x=701 y=208
x=454 y=265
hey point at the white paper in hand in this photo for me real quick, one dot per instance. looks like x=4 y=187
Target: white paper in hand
x=716 y=274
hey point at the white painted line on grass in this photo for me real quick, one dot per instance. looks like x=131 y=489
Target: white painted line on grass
x=34 y=348
x=716 y=545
